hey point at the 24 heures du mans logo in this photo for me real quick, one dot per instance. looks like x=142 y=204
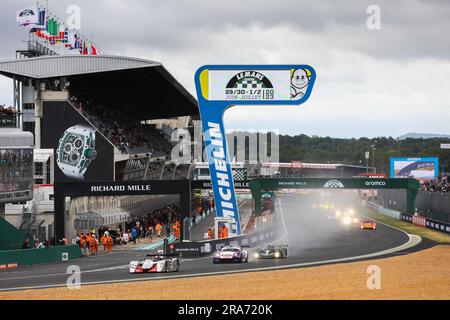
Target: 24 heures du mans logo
x=249 y=85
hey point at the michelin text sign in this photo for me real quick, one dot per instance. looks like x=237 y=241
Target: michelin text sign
x=221 y=86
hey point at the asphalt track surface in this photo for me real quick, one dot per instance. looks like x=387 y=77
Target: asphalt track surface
x=311 y=236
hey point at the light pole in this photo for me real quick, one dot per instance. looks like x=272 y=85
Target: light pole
x=367 y=156
x=373 y=158
x=447 y=147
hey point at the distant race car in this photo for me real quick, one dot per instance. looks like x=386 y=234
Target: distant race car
x=271 y=252
x=156 y=263
x=230 y=254
x=368 y=225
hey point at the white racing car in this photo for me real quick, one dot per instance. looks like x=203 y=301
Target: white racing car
x=156 y=263
x=230 y=254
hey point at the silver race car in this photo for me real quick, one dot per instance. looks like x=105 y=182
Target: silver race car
x=230 y=254
x=156 y=263
x=271 y=252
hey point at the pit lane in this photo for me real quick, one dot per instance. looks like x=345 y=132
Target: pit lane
x=321 y=242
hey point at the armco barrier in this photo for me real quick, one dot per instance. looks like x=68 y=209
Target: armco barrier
x=387 y=212
x=390 y=213
x=36 y=256
x=204 y=248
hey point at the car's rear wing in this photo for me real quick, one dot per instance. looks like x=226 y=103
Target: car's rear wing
x=163 y=255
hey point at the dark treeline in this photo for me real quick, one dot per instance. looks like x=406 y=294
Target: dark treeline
x=352 y=151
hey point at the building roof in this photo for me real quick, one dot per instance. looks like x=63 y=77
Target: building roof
x=68 y=65
x=144 y=88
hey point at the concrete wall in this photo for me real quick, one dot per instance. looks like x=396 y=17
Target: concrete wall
x=36 y=256
x=434 y=205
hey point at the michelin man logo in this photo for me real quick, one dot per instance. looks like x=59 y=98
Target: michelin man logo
x=299 y=83
x=333 y=184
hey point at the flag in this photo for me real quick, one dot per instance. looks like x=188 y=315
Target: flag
x=77 y=42
x=85 y=48
x=93 y=50
x=27 y=16
x=56 y=30
x=73 y=40
x=66 y=38
x=51 y=26
x=42 y=23
x=81 y=46
x=40 y=34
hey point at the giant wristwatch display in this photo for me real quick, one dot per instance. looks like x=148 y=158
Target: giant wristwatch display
x=76 y=150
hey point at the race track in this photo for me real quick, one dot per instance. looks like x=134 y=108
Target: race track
x=312 y=239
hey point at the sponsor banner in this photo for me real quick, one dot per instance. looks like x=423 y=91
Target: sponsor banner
x=81 y=152
x=203 y=248
x=250 y=85
x=347 y=183
x=253 y=83
x=438 y=225
x=419 y=168
x=5 y=266
x=406 y=217
x=220 y=87
x=27 y=16
x=419 y=220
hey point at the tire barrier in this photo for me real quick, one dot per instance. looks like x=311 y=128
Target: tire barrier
x=205 y=248
x=36 y=256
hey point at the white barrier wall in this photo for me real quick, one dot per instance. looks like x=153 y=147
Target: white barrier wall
x=387 y=212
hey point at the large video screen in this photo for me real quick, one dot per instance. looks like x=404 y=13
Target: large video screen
x=81 y=152
x=419 y=168
x=16 y=174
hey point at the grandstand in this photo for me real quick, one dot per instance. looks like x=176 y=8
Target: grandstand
x=133 y=105
x=297 y=169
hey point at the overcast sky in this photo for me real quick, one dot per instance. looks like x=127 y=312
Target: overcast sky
x=383 y=82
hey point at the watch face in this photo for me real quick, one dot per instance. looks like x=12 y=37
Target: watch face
x=72 y=149
x=76 y=150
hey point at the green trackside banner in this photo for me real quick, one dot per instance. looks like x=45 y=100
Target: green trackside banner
x=336 y=183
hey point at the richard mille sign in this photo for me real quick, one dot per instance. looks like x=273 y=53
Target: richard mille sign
x=121 y=188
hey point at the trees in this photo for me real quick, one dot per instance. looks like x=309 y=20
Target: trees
x=351 y=151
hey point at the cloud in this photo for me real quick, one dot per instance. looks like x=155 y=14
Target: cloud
x=371 y=83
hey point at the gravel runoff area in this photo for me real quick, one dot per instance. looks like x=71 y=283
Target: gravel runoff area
x=421 y=275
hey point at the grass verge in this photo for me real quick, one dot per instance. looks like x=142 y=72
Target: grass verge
x=433 y=235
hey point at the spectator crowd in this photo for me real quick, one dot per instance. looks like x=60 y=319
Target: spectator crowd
x=122 y=130
x=440 y=184
x=4 y=110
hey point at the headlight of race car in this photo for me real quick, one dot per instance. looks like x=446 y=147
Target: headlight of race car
x=256 y=255
x=347 y=220
x=277 y=254
x=355 y=220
